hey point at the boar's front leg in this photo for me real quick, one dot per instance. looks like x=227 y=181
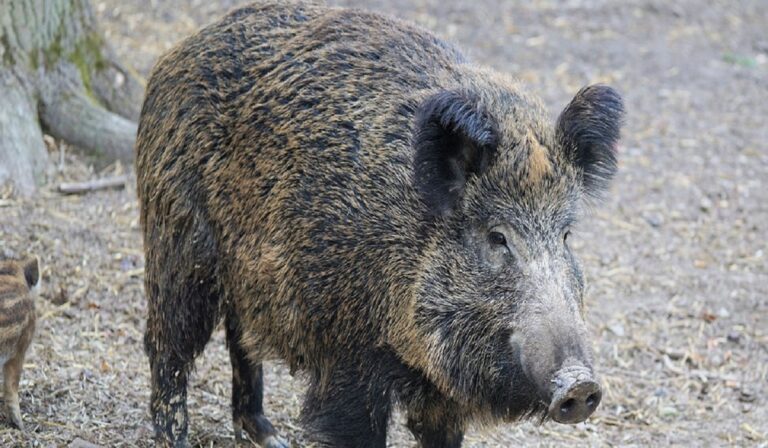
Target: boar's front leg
x=348 y=410
x=436 y=425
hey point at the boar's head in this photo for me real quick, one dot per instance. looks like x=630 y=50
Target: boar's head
x=499 y=299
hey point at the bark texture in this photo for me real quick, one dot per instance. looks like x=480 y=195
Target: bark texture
x=58 y=75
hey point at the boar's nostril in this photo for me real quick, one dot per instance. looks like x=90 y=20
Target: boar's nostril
x=566 y=407
x=575 y=398
x=593 y=400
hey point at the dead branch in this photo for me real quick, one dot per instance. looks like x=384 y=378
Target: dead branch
x=117 y=182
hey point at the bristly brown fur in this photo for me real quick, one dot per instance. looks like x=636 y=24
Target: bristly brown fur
x=322 y=179
x=17 y=326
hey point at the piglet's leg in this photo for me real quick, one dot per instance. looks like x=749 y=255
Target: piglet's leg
x=12 y=375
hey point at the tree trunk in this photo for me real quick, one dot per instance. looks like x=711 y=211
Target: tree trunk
x=58 y=75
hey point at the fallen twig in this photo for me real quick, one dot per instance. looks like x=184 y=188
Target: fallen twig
x=116 y=182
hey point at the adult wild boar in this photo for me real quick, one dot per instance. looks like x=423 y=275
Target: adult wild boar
x=352 y=196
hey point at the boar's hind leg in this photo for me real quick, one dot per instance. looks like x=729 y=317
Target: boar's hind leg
x=248 y=394
x=168 y=403
x=183 y=311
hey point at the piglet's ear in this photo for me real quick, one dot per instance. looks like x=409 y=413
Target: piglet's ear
x=589 y=129
x=31 y=268
x=454 y=140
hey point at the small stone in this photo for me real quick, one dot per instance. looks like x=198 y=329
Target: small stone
x=617 y=329
x=668 y=411
x=654 y=219
x=747 y=395
x=674 y=354
x=723 y=313
x=705 y=204
x=127 y=263
x=734 y=337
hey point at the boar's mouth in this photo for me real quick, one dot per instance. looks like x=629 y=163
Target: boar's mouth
x=518 y=397
x=567 y=394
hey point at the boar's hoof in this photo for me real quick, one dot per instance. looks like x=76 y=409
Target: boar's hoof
x=575 y=397
x=260 y=430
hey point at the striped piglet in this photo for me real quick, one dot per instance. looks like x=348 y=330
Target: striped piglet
x=18 y=284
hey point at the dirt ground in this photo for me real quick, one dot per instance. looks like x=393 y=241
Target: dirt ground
x=676 y=258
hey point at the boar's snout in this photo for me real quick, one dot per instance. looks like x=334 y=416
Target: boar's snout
x=576 y=395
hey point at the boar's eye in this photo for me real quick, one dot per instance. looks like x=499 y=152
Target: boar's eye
x=497 y=252
x=497 y=238
x=566 y=235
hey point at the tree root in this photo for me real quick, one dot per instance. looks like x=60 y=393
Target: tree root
x=72 y=117
x=68 y=114
x=22 y=151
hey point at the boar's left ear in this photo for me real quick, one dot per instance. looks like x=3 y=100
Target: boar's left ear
x=454 y=139
x=589 y=129
x=31 y=268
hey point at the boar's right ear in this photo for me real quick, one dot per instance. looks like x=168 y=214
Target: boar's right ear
x=589 y=129
x=31 y=268
x=453 y=139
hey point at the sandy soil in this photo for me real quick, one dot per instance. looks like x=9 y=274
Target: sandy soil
x=676 y=257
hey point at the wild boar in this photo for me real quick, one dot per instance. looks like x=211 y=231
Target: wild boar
x=352 y=196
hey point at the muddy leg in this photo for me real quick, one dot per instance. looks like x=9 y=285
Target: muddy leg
x=171 y=355
x=183 y=309
x=168 y=403
x=248 y=396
